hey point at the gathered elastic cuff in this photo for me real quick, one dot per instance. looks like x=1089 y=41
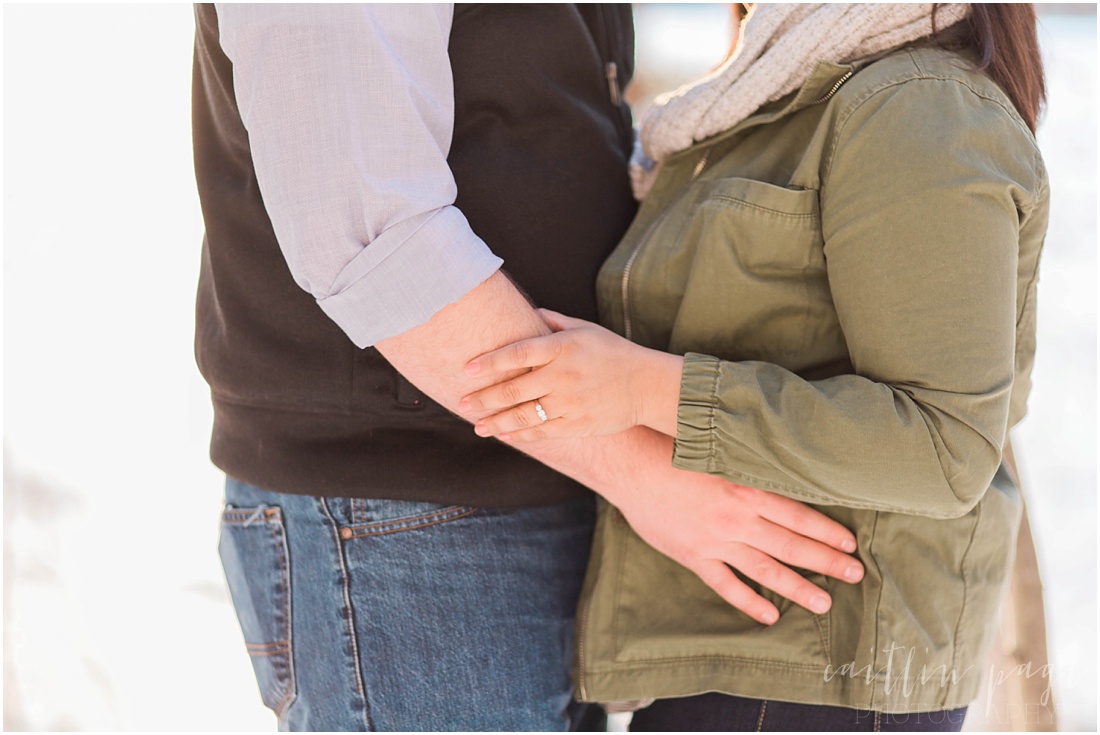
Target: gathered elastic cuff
x=694 y=448
x=436 y=265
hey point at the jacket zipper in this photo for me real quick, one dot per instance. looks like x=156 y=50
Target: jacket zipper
x=625 y=286
x=628 y=330
x=832 y=91
x=627 y=324
x=583 y=622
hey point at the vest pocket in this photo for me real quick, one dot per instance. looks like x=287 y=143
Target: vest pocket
x=253 y=550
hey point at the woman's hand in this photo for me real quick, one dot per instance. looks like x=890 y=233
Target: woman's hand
x=585 y=381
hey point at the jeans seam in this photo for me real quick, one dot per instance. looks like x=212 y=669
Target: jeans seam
x=349 y=615
x=236 y=516
x=760 y=720
x=410 y=524
x=291 y=692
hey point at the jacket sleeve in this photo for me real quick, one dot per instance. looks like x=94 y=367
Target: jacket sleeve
x=922 y=200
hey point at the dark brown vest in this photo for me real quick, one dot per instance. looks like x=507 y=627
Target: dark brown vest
x=539 y=155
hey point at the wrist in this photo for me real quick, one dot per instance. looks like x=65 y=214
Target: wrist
x=643 y=462
x=659 y=391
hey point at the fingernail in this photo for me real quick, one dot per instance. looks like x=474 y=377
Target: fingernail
x=505 y=437
x=819 y=604
x=769 y=618
x=463 y=406
x=848 y=544
x=481 y=430
x=853 y=573
x=472 y=368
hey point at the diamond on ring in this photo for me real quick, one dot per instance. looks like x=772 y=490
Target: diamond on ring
x=542 y=414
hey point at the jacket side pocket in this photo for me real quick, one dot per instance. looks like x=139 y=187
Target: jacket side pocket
x=254 y=555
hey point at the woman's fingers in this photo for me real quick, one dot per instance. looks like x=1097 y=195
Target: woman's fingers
x=722 y=580
x=509 y=394
x=521 y=422
x=559 y=322
x=526 y=353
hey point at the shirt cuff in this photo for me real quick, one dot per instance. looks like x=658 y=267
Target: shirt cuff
x=435 y=266
x=694 y=448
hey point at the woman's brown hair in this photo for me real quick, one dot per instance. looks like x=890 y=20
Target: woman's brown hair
x=1005 y=38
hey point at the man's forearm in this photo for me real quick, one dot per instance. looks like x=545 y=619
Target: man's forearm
x=722 y=526
x=494 y=314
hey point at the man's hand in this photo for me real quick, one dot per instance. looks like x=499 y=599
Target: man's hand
x=700 y=521
x=709 y=525
x=722 y=525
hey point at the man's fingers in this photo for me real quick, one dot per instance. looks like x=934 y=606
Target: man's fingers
x=804 y=521
x=791 y=548
x=526 y=353
x=722 y=580
x=781 y=579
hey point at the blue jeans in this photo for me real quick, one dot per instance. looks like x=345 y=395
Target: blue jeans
x=715 y=712
x=391 y=615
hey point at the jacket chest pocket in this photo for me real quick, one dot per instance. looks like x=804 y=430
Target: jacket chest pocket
x=757 y=287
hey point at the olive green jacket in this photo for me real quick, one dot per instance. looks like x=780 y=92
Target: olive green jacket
x=851 y=275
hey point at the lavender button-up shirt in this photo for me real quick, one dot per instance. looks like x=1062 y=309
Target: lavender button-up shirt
x=350 y=111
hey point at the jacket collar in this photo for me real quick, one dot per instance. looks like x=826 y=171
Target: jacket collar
x=825 y=79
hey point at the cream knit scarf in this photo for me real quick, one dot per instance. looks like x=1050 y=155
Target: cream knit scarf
x=779 y=45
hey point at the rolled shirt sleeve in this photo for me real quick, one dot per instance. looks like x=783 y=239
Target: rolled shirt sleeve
x=350 y=112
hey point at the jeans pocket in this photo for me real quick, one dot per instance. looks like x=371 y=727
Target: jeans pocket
x=253 y=550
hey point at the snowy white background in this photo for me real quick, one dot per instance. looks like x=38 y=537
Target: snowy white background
x=115 y=612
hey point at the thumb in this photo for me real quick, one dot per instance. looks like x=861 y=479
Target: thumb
x=559 y=322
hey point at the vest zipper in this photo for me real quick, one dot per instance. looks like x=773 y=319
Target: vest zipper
x=611 y=38
x=612 y=73
x=624 y=289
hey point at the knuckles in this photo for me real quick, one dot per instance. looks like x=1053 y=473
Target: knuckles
x=519 y=354
x=763 y=571
x=789 y=552
x=520 y=417
x=559 y=346
x=510 y=393
x=836 y=566
x=729 y=523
